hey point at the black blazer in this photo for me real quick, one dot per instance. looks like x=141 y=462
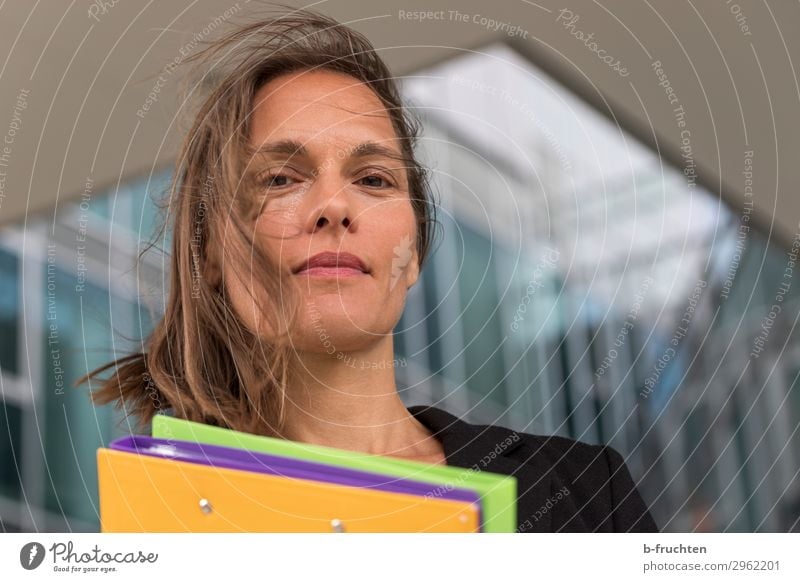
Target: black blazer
x=563 y=485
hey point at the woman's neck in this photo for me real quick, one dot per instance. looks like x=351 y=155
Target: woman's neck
x=350 y=401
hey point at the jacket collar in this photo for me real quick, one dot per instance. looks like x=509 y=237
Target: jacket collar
x=467 y=445
x=488 y=448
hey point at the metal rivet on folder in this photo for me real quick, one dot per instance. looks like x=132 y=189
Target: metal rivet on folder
x=337 y=526
x=205 y=506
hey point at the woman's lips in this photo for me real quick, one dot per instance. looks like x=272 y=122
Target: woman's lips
x=332 y=264
x=335 y=272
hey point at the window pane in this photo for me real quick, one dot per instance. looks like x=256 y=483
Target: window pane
x=147 y=193
x=478 y=287
x=9 y=312
x=10 y=458
x=80 y=342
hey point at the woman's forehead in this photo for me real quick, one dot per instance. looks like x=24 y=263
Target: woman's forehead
x=319 y=105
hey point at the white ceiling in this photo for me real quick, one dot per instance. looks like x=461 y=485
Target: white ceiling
x=87 y=77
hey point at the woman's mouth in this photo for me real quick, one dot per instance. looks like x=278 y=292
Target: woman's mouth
x=333 y=265
x=335 y=272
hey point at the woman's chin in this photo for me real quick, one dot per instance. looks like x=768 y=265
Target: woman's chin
x=341 y=327
x=339 y=306
x=334 y=345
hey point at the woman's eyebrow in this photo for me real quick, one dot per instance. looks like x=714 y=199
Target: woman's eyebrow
x=371 y=148
x=290 y=147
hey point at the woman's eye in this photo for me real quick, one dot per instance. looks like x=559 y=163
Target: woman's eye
x=276 y=181
x=374 y=181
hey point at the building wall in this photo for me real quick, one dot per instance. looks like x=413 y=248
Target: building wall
x=579 y=287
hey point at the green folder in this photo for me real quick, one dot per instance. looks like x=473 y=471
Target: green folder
x=498 y=492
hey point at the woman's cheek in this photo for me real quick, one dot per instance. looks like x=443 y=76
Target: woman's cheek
x=397 y=250
x=281 y=215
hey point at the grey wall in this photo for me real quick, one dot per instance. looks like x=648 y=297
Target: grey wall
x=71 y=83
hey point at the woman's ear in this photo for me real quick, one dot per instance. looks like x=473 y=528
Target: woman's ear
x=413 y=270
x=405 y=266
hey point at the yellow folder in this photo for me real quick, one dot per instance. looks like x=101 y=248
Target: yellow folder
x=140 y=493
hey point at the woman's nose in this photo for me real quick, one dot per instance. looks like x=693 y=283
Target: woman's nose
x=324 y=220
x=332 y=210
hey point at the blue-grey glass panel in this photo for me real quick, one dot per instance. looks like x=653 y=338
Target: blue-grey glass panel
x=478 y=289
x=9 y=312
x=77 y=340
x=10 y=450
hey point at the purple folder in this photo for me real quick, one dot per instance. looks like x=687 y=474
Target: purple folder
x=255 y=462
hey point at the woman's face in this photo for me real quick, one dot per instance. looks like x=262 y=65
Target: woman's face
x=332 y=180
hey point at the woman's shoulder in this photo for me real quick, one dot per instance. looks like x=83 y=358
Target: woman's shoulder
x=563 y=484
x=559 y=448
x=496 y=440
x=567 y=459
x=591 y=487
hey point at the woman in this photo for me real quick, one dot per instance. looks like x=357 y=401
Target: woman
x=301 y=220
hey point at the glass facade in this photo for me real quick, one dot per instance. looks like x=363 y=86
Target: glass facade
x=73 y=299
x=581 y=288
x=10 y=436
x=626 y=304
x=9 y=312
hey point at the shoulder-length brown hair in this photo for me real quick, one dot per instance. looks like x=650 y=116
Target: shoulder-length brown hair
x=200 y=360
